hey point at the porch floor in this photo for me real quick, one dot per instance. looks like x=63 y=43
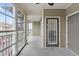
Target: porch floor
x=33 y=48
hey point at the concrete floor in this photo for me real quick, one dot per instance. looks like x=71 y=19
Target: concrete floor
x=33 y=48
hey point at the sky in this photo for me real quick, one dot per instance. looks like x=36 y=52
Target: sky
x=2 y=16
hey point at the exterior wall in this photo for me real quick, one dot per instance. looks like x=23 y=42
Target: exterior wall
x=36 y=28
x=61 y=14
x=74 y=42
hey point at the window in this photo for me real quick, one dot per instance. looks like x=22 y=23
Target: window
x=10 y=10
x=10 y=23
x=7 y=24
x=2 y=22
x=2 y=40
x=20 y=28
x=2 y=7
x=12 y=32
x=30 y=28
x=20 y=21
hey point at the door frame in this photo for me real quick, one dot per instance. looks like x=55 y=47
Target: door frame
x=59 y=28
x=67 y=26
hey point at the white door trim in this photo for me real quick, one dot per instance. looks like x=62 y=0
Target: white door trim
x=67 y=26
x=59 y=27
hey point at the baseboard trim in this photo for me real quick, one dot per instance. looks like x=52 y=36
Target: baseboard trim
x=75 y=54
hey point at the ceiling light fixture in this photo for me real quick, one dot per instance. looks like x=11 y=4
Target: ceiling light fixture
x=37 y=3
x=51 y=4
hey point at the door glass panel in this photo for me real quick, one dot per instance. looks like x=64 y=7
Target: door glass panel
x=52 y=31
